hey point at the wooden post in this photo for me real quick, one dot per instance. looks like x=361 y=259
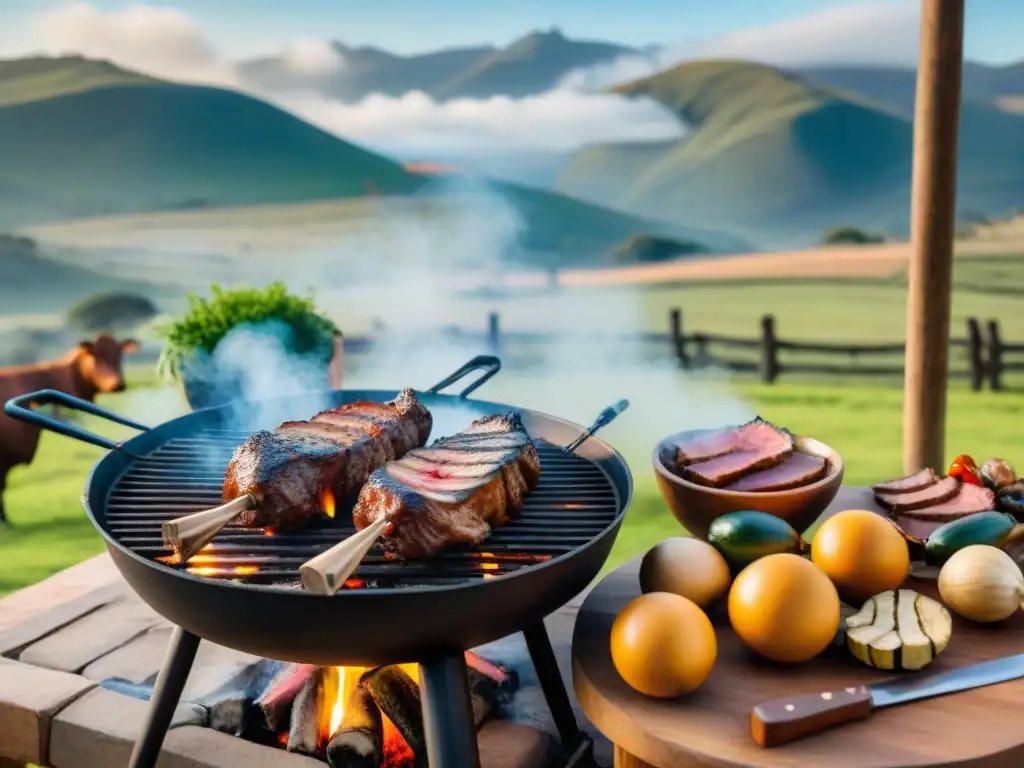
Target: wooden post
x=336 y=370
x=975 y=354
x=995 y=356
x=493 y=332
x=933 y=204
x=769 y=367
x=675 y=322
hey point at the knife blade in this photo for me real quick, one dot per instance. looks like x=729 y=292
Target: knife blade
x=783 y=720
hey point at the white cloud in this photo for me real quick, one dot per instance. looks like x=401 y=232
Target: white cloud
x=314 y=58
x=160 y=41
x=168 y=43
x=861 y=33
x=557 y=120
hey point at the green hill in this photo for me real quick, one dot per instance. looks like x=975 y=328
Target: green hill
x=93 y=146
x=776 y=160
x=74 y=150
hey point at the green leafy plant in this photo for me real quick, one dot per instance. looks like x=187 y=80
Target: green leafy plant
x=208 y=321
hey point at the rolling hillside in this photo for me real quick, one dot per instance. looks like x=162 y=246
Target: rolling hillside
x=533 y=64
x=774 y=159
x=74 y=151
x=91 y=146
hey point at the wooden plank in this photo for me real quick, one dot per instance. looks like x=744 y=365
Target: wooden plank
x=29 y=699
x=933 y=219
x=76 y=645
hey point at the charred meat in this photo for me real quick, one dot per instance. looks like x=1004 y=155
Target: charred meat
x=290 y=469
x=709 y=446
x=454 y=492
x=799 y=469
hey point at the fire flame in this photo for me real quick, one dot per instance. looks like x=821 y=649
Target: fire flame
x=343 y=681
x=327 y=502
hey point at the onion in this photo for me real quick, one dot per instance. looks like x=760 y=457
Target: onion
x=982 y=583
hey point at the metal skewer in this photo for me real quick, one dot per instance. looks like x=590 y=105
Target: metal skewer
x=325 y=573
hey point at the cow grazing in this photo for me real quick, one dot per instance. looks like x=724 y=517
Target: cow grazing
x=90 y=368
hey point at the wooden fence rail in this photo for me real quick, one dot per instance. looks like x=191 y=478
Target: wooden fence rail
x=979 y=356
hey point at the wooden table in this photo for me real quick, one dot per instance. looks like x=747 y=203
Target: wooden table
x=710 y=728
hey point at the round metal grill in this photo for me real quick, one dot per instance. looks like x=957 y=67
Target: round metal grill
x=573 y=503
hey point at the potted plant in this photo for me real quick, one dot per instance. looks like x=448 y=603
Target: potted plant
x=214 y=350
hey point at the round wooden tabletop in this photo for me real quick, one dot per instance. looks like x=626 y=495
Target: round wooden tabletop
x=711 y=727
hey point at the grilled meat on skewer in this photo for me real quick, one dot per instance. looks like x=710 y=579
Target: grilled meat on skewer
x=454 y=492
x=289 y=470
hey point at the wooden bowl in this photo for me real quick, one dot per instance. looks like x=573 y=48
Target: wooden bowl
x=695 y=506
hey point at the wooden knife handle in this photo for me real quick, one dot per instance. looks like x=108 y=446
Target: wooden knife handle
x=783 y=720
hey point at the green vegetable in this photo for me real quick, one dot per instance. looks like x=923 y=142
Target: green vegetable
x=997 y=529
x=746 y=536
x=209 y=320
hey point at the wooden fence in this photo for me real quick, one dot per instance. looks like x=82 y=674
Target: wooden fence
x=979 y=356
x=985 y=354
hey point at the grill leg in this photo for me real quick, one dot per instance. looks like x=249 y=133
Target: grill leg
x=448 y=713
x=169 y=684
x=543 y=656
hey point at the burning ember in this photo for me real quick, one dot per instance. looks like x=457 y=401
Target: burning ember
x=346 y=716
x=327 y=503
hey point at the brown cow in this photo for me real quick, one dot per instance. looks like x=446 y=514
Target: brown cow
x=90 y=368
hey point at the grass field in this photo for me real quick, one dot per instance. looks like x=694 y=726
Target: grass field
x=50 y=532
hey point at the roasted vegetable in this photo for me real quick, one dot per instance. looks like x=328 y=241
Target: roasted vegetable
x=996 y=474
x=746 y=536
x=993 y=528
x=845 y=611
x=965 y=470
x=982 y=583
x=899 y=629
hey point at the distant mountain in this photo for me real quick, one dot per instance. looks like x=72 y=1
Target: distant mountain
x=777 y=160
x=530 y=65
x=894 y=87
x=76 y=150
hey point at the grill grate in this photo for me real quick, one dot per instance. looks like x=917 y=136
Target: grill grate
x=573 y=503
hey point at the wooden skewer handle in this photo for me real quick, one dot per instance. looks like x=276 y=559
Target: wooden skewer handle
x=187 y=535
x=784 y=720
x=325 y=573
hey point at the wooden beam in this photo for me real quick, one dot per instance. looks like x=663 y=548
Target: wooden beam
x=932 y=224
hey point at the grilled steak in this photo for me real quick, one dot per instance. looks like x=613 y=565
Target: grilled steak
x=289 y=470
x=908 y=484
x=454 y=492
x=760 y=446
x=899 y=503
x=969 y=500
x=799 y=469
x=715 y=444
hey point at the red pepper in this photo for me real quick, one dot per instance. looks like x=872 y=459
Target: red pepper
x=965 y=470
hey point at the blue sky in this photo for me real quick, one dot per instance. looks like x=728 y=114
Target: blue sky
x=248 y=27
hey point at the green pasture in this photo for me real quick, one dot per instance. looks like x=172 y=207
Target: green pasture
x=50 y=532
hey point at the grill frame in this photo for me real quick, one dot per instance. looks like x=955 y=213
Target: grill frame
x=364 y=627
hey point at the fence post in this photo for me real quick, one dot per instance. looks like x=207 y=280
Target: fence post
x=675 y=321
x=769 y=367
x=995 y=356
x=975 y=354
x=493 y=333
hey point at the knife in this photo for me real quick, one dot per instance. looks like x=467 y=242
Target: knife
x=783 y=720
